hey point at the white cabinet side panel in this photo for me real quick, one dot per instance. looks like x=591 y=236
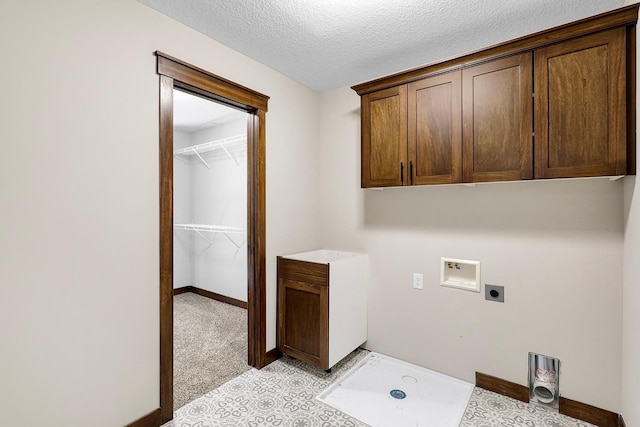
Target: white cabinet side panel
x=348 y=280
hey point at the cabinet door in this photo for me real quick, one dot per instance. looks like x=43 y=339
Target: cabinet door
x=497 y=120
x=303 y=321
x=580 y=107
x=435 y=130
x=384 y=138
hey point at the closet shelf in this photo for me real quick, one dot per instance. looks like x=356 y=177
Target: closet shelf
x=210 y=228
x=224 y=144
x=224 y=229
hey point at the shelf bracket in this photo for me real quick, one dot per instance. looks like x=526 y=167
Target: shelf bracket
x=231 y=240
x=203 y=160
x=204 y=237
x=229 y=154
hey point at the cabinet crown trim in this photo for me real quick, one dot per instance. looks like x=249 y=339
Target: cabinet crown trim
x=626 y=16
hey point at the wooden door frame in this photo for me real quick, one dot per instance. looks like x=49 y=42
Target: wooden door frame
x=178 y=74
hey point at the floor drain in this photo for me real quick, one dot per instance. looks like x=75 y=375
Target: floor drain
x=397 y=394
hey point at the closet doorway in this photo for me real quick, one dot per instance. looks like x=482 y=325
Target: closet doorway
x=209 y=245
x=178 y=76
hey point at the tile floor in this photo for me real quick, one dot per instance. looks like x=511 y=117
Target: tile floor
x=283 y=394
x=488 y=409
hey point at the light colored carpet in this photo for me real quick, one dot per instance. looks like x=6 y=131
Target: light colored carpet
x=210 y=345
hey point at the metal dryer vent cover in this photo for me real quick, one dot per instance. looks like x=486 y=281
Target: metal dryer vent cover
x=544 y=381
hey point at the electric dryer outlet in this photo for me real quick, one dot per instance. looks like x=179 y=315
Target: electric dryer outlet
x=494 y=293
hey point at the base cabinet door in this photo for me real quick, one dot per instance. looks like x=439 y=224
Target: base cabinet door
x=497 y=115
x=304 y=330
x=580 y=107
x=303 y=317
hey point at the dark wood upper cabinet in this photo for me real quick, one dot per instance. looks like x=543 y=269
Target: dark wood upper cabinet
x=497 y=120
x=580 y=107
x=384 y=138
x=475 y=118
x=435 y=131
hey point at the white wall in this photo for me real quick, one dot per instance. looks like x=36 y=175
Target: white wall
x=631 y=305
x=220 y=198
x=556 y=246
x=79 y=179
x=215 y=197
x=631 y=297
x=182 y=240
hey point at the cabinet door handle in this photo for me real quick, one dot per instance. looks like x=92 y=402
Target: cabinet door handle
x=401 y=172
x=411 y=172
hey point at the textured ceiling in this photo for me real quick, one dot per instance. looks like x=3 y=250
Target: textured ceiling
x=325 y=44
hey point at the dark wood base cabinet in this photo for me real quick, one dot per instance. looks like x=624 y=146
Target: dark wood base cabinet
x=556 y=104
x=322 y=309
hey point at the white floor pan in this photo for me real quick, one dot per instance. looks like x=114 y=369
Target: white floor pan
x=386 y=392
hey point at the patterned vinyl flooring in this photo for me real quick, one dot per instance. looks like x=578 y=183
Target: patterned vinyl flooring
x=283 y=394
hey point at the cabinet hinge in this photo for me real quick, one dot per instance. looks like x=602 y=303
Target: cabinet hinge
x=533 y=95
